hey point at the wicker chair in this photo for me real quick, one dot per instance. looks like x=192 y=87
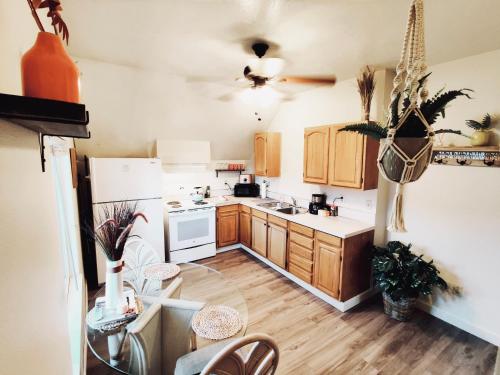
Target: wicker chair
x=227 y=358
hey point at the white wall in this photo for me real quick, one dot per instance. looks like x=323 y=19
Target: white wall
x=33 y=319
x=179 y=181
x=324 y=106
x=452 y=214
x=130 y=108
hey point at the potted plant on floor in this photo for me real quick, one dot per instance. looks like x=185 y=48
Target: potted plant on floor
x=403 y=277
x=111 y=233
x=481 y=135
x=47 y=70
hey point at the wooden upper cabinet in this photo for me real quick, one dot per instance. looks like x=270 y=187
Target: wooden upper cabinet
x=352 y=160
x=246 y=229
x=267 y=149
x=327 y=265
x=227 y=225
x=316 y=144
x=276 y=244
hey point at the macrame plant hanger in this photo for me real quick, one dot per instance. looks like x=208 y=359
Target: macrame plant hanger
x=403 y=160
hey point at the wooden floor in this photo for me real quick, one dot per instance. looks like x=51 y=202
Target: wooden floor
x=315 y=338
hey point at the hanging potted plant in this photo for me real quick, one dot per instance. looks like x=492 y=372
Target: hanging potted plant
x=406 y=141
x=403 y=277
x=481 y=134
x=111 y=233
x=47 y=70
x=410 y=133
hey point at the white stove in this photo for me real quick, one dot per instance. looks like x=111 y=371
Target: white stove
x=190 y=227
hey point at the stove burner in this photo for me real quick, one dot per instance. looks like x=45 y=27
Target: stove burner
x=200 y=203
x=174 y=203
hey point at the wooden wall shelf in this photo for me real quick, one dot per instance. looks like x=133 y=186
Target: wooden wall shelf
x=45 y=117
x=484 y=156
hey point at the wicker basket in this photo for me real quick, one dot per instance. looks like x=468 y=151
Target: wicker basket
x=400 y=310
x=393 y=165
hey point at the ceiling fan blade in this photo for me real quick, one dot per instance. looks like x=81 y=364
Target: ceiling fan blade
x=309 y=80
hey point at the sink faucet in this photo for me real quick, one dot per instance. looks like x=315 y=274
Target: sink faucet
x=294 y=201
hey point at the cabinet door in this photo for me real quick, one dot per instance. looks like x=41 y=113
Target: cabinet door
x=316 y=144
x=276 y=244
x=346 y=158
x=227 y=228
x=260 y=149
x=259 y=235
x=327 y=261
x=246 y=229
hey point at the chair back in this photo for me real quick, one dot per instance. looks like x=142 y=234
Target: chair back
x=138 y=253
x=145 y=342
x=262 y=358
x=176 y=329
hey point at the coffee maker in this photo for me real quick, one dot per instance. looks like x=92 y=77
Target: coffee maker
x=318 y=202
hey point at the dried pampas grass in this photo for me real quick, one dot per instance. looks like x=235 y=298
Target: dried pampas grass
x=366 y=88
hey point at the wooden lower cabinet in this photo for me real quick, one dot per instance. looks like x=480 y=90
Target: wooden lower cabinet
x=246 y=229
x=327 y=262
x=259 y=235
x=227 y=225
x=276 y=244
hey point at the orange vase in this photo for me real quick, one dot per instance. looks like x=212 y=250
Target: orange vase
x=48 y=71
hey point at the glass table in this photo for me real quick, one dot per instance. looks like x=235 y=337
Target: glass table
x=200 y=283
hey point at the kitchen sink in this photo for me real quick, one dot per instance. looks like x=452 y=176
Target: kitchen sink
x=291 y=210
x=275 y=205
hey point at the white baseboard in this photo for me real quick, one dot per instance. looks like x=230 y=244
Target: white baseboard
x=458 y=322
x=229 y=248
x=342 y=306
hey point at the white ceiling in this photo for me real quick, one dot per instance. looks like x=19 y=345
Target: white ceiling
x=202 y=38
x=178 y=57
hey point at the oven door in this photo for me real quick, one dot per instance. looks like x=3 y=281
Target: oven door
x=191 y=228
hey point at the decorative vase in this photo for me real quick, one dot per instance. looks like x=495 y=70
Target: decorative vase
x=480 y=138
x=114 y=286
x=48 y=71
x=400 y=310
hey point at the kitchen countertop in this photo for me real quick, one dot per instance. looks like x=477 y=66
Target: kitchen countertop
x=336 y=226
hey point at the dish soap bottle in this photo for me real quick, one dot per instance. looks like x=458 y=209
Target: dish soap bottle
x=207 y=192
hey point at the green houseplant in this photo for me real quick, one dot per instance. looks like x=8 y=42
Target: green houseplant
x=403 y=277
x=481 y=134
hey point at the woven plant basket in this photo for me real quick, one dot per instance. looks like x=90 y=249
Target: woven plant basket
x=401 y=310
x=392 y=164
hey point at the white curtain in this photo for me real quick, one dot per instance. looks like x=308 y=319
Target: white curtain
x=67 y=212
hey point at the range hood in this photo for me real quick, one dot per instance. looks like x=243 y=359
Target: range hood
x=184 y=152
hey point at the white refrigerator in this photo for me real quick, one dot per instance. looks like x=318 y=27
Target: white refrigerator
x=134 y=180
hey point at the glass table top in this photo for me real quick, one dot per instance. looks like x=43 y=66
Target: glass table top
x=200 y=283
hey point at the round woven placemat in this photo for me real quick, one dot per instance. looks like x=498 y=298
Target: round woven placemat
x=216 y=322
x=162 y=271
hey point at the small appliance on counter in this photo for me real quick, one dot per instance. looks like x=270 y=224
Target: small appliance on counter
x=246 y=190
x=318 y=202
x=246 y=179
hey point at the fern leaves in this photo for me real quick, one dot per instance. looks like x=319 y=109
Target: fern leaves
x=371 y=129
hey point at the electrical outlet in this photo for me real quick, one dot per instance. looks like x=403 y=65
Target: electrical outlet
x=369 y=203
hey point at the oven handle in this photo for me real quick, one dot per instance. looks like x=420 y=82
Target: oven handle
x=192 y=212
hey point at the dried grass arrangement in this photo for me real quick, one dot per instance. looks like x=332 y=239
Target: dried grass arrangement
x=366 y=88
x=54 y=13
x=116 y=223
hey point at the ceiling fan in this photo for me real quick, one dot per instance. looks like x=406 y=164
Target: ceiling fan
x=262 y=70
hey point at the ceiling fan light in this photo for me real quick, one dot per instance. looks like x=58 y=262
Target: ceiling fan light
x=266 y=66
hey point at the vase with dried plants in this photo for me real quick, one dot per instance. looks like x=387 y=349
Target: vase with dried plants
x=47 y=69
x=366 y=88
x=113 y=228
